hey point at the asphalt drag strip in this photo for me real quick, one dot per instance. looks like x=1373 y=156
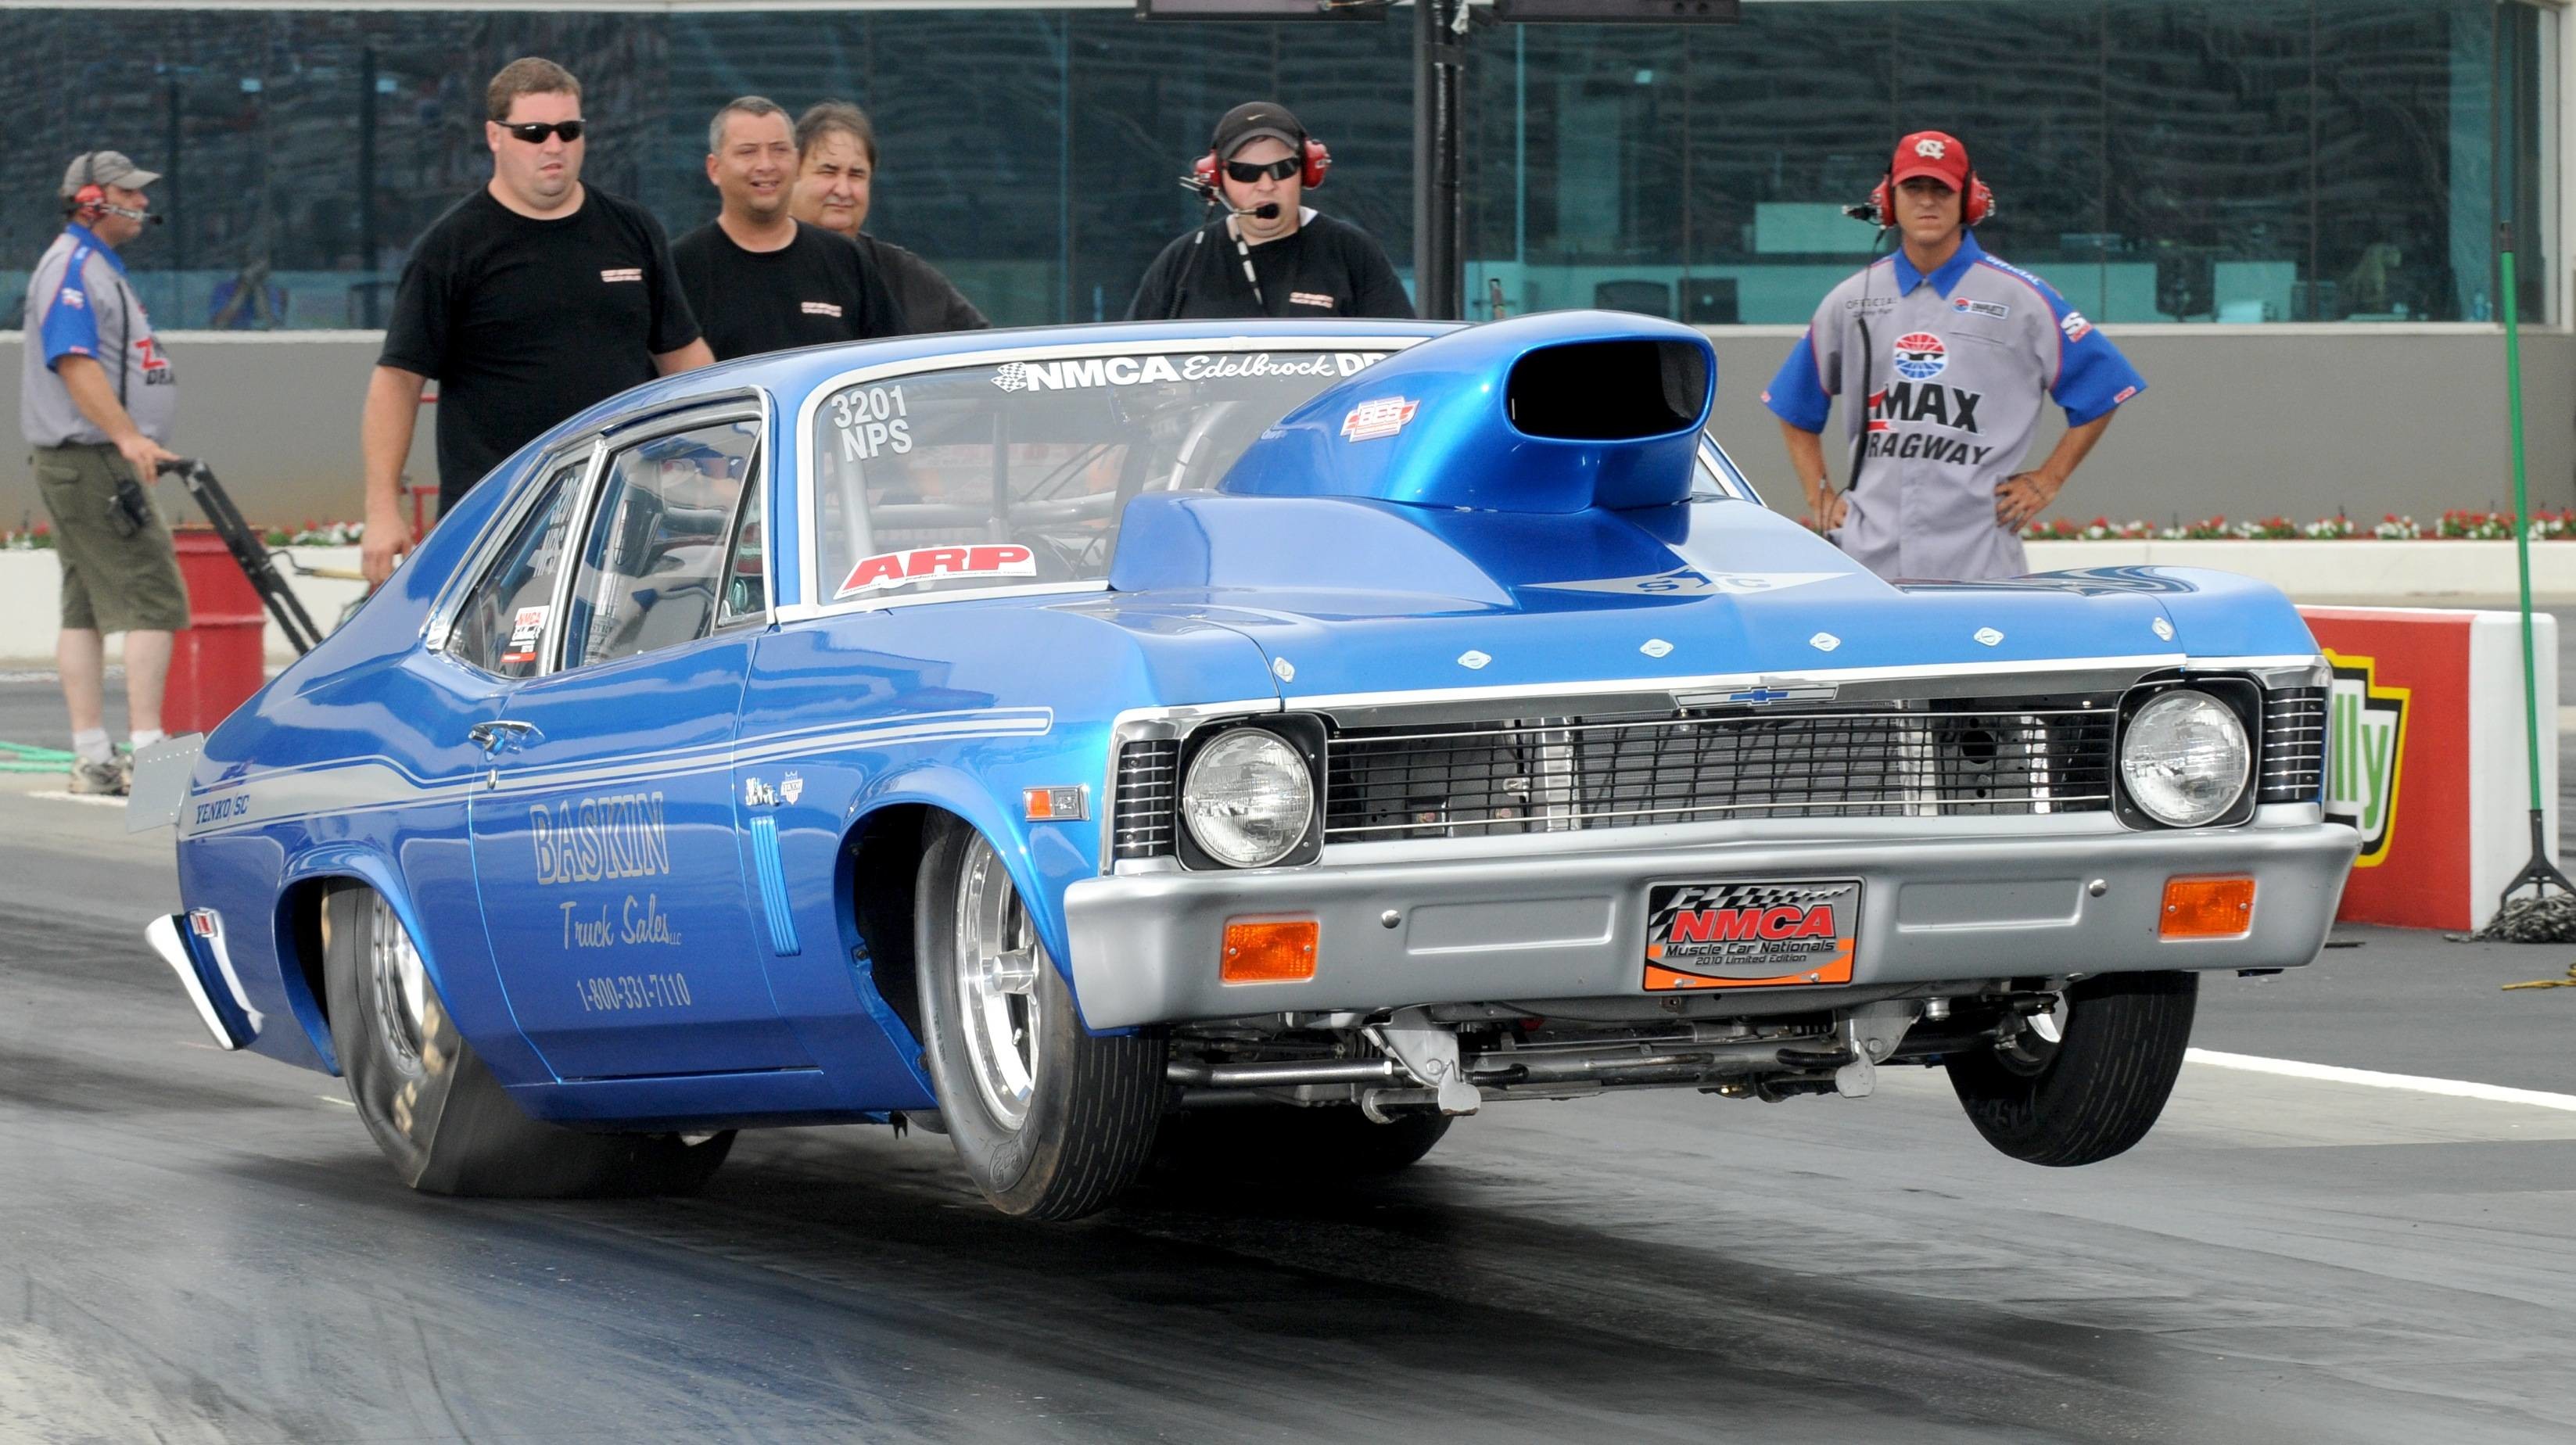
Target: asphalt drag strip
x=201 y=1246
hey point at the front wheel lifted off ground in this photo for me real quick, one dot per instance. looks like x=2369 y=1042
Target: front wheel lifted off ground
x=2097 y=1086
x=441 y=1118
x=1049 y=1121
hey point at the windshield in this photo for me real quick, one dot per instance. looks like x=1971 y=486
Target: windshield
x=1016 y=473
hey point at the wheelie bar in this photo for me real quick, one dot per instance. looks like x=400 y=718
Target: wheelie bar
x=249 y=552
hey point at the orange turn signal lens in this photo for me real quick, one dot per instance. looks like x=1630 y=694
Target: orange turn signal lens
x=2207 y=908
x=1272 y=952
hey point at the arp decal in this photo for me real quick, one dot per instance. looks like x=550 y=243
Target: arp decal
x=1750 y=935
x=1691 y=582
x=1087 y=371
x=1383 y=417
x=1920 y=356
x=937 y=564
x=2365 y=754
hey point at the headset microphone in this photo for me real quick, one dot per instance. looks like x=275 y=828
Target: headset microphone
x=1206 y=191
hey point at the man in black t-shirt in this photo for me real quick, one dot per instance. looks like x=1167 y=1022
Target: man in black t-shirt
x=1270 y=255
x=836 y=155
x=529 y=300
x=757 y=278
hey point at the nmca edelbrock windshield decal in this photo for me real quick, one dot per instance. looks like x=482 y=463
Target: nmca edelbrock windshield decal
x=1089 y=371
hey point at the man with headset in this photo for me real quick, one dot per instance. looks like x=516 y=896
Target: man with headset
x=1270 y=254
x=96 y=398
x=1943 y=356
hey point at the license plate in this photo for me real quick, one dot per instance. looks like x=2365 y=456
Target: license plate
x=1750 y=935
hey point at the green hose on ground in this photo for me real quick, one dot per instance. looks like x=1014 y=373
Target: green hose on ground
x=28 y=758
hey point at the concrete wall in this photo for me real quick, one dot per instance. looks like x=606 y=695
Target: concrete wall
x=2256 y=421
x=275 y=414
x=2244 y=421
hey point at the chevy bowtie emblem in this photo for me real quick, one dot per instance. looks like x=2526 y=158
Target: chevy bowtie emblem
x=1761 y=695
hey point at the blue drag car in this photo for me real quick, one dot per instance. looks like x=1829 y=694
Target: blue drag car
x=1239 y=745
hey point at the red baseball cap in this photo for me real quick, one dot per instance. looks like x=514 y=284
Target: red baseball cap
x=1930 y=153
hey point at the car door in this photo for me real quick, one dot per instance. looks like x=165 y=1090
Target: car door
x=604 y=839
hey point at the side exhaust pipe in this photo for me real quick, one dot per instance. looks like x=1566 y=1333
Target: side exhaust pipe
x=193 y=945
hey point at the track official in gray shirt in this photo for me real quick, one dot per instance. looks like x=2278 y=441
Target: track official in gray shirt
x=1945 y=358
x=96 y=398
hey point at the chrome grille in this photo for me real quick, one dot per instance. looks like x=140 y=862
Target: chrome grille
x=2021 y=756
x=2294 y=744
x=1146 y=801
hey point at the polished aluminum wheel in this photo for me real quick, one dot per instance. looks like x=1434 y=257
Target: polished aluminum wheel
x=998 y=958
x=401 y=990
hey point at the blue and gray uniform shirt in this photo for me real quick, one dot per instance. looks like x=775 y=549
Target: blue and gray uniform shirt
x=80 y=304
x=1959 y=364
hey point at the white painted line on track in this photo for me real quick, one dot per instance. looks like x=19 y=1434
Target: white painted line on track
x=2373 y=1079
x=336 y=1099
x=95 y=800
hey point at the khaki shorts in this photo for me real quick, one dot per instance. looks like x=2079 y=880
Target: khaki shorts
x=116 y=577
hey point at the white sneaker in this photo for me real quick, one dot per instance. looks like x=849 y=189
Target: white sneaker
x=108 y=779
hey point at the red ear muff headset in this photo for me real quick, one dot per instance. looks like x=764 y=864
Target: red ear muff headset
x=89 y=203
x=1314 y=162
x=1981 y=202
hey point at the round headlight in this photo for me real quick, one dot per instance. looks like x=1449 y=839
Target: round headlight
x=1247 y=798
x=2184 y=758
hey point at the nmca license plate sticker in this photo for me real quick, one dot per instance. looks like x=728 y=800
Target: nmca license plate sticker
x=1750 y=935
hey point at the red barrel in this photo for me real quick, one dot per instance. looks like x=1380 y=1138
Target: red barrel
x=220 y=659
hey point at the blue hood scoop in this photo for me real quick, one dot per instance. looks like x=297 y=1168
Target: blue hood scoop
x=1554 y=413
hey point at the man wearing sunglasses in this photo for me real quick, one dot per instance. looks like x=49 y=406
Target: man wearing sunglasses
x=1269 y=254
x=528 y=301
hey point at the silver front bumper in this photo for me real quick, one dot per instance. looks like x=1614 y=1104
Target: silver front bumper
x=1564 y=916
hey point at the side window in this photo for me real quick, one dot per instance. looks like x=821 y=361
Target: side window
x=502 y=626
x=746 y=594
x=654 y=564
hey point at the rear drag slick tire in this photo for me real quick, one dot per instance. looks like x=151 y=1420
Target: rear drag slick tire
x=444 y=1123
x=1050 y=1122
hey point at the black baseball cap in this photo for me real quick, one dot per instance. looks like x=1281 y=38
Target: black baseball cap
x=1251 y=121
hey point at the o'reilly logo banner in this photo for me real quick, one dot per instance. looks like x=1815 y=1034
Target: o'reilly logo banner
x=2365 y=754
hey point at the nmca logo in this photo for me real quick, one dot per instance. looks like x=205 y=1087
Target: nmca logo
x=2365 y=754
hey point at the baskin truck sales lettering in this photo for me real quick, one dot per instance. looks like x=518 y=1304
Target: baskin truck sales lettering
x=2365 y=753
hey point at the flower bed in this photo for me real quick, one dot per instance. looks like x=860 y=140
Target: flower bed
x=2472 y=526
x=39 y=537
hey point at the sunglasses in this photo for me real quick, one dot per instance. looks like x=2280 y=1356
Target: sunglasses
x=1246 y=173
x=534 y=132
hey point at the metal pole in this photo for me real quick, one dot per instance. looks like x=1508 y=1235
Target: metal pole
x=1439 y=81
x=367 y=314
